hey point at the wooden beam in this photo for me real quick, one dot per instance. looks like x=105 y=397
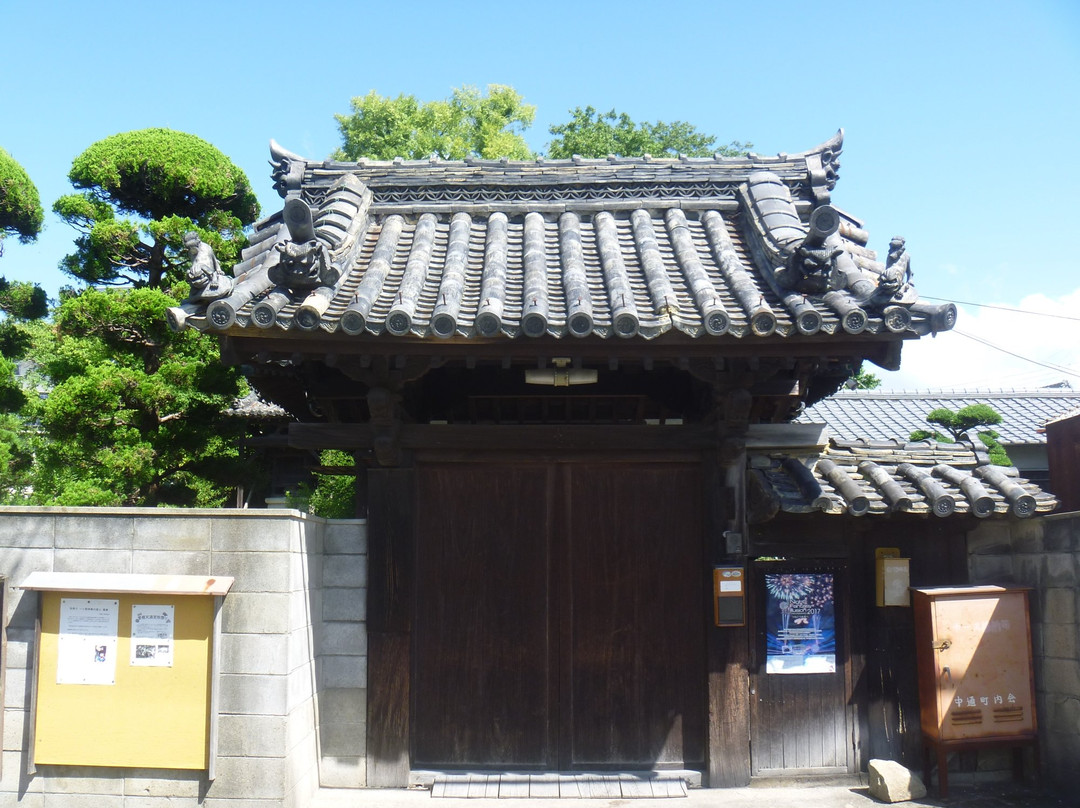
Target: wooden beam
x=244 y=344
x=510 y=438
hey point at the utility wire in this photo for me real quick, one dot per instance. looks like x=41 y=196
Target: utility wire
x=988 y=344
x=1002 y=308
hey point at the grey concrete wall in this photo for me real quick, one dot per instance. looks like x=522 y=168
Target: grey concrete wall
x=280 y=660
x=342 y=657
x=1043 y=554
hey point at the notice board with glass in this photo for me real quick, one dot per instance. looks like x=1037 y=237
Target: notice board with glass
x=126 y=669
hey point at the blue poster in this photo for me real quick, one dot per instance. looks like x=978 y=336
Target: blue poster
x=800 y=623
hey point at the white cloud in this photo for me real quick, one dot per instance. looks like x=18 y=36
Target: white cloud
x=953 y=361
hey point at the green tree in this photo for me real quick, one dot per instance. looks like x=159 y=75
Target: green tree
x=21 y=304
x=20 y=206
x=593 y=134
x=140 y=192
x=865 y=380
x=959 y=424
x=332 y=496
x=135 y=413
x=468 y=124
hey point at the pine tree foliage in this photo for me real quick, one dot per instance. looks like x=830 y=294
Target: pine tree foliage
x=21 y=213
x=139 y=193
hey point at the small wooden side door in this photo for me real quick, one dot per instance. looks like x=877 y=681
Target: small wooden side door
x=800 y=722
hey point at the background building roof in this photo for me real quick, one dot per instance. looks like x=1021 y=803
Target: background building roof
x=883 y=415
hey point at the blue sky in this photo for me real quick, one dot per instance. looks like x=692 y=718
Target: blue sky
x=962 y=119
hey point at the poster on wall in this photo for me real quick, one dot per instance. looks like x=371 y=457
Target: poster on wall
x=800 y=623
x=86 y=645
x=152 y=633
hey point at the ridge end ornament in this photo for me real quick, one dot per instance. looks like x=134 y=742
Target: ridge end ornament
x=303 y=260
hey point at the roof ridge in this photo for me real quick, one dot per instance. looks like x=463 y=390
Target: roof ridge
x=929 y=393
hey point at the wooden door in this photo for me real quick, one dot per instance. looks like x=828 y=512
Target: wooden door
x=559 y=620
x=635 y=637
x=483 y=650
x=801 y=712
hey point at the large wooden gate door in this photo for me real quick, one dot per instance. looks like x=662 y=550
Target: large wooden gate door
x=559 y=620
x=802 y=717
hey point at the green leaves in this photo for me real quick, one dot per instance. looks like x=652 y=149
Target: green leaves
x=169 y=182
x=958 y=424
x=333 y=496
x=136 y=414
x=158 y=172
x=20 y=206
x=491 y=126
x=468 y=124
x=593 y=134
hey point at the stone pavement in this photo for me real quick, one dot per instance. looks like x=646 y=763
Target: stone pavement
x=990 y=795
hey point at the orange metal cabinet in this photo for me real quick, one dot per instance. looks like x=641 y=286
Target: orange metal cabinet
x=976 y=684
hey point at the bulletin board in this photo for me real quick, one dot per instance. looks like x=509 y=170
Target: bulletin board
x=126 y=670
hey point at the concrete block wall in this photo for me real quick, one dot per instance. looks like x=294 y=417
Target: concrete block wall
x=342 y=656
x=1043 y=554
x=272 y=676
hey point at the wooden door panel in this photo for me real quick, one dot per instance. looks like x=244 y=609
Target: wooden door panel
x=634 y=664
x=559 y=617
x=483 y=676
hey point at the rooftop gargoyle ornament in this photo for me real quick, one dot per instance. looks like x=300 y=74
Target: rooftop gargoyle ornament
x=207 y=280
x=894 y=283
x=810 y=267
x=303 y=261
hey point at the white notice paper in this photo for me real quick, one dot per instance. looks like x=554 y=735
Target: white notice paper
x=86 y=647
x=152 y=631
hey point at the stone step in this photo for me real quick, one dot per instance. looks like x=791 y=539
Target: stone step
x=564 y=785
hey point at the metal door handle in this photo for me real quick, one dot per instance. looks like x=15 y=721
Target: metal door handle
x=946 y=672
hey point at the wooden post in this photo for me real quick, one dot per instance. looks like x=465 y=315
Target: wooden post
x=389 y=614
x=728 y=650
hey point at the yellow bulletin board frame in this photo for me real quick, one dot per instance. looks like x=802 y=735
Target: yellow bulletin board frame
x=161 y=717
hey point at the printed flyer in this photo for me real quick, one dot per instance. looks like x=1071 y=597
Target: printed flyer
x=152 y=632
x=800 y=623
x=86 y=645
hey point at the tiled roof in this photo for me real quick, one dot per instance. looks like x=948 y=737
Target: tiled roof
x=883 y=477
x=879 y=415
x=720 y=247
x=252 y=407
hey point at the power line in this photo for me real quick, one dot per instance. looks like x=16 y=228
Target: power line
x=1002 y=308
x=988 y=344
